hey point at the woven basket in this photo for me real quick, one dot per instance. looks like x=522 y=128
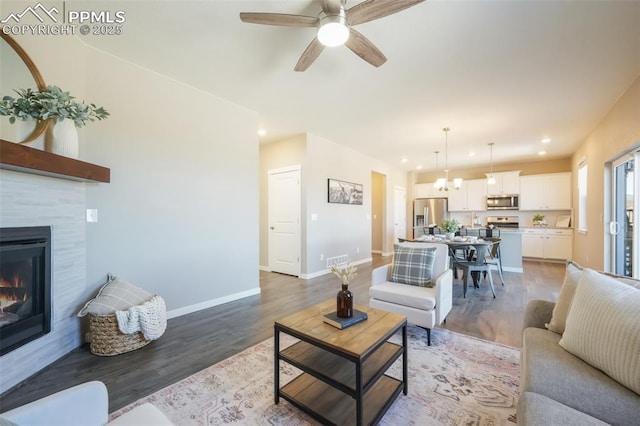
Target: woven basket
x=107 y=338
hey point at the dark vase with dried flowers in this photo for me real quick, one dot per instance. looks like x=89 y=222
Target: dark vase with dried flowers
x=344 y=300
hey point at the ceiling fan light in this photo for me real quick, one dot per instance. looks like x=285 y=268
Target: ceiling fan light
x=333 y=30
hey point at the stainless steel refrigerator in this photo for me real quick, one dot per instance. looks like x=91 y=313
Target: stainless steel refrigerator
x=426 y=212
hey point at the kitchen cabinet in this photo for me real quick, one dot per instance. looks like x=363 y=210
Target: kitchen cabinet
x=558 y=244
x=507 y=183
x=532 y=243
x=426 y=190
x=550 y=243
x=472 y=196
x=546 y=192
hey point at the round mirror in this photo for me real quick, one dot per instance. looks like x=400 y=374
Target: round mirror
x=17 y=71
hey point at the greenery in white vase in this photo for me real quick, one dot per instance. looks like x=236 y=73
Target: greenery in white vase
x=449 y=225
x=51 y=102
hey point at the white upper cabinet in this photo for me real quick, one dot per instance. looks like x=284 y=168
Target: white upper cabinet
x=472 y=196
x=507 y=183
x=546 y=192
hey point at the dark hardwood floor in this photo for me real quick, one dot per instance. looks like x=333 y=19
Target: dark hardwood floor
x=195 y=341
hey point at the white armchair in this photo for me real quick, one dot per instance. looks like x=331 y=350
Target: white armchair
x=86 y=404
x=423 y=306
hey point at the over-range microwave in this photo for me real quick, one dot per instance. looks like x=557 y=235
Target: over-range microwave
x=502 y=202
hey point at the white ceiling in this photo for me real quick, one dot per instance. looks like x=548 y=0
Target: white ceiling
x=508 y=72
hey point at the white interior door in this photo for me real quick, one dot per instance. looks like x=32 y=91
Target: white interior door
x=400 y=213
x=284 y=220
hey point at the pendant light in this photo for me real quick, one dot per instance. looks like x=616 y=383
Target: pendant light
x=491 y=180
x=443 y=183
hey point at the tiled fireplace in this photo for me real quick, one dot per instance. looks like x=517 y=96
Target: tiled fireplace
x=25 y=285
x=28 y=201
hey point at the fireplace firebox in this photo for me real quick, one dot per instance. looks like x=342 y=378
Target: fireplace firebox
x=25 y=285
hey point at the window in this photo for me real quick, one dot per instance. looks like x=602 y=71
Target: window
x=582 y=196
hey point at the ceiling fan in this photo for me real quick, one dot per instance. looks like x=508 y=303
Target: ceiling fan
x=335 y=27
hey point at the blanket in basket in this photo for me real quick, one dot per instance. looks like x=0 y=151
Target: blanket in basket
x=150 y=318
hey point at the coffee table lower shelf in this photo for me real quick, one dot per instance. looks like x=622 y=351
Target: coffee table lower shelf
x=314 y=396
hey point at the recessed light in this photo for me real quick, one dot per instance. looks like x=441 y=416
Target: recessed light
x=542 y=152
x=471 y=154
x=404 y=160
x=419 y=167
x=262 y=132
x=546 y=140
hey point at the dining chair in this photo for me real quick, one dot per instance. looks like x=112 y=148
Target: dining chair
x=493 y=256
x=489 y=233
x=476 y=264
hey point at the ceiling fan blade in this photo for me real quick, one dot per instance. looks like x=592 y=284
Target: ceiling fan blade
x=331 y=6
x=279 y=19
x=375 y=9
x=309 y=55
x=361 y=46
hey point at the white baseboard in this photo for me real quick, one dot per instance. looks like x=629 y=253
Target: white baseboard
x=376 y=251
x=264 y=268
x=389 y=253
x=512 y=269
x=211 y=303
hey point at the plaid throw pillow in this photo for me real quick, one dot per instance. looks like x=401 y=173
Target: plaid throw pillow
x=413 y=265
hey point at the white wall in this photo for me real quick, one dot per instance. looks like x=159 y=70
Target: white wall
x=340 y=229
x=180 y=216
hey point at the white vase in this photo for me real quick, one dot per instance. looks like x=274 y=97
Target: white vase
x=65 y=139
x=450 y=236
x=24 y=129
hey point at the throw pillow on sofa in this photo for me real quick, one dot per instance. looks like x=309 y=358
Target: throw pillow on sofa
x=413 y=265
x=115 y=295
x=568 y=289
x=603 y=327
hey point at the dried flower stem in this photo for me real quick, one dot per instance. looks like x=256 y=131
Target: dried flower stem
x=345 y=274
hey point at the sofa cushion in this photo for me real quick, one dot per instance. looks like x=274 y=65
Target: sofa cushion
x=603 y=327
x=568 y=289
x=546 y=368
x=115 y=295
x=413 y=265
x=403 y=294
x=538 y=410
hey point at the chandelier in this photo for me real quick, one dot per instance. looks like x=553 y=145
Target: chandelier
x=443 y=183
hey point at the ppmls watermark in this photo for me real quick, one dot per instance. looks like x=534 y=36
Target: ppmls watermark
x=57 y=20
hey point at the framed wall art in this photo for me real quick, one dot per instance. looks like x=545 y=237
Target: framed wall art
x=342 y=192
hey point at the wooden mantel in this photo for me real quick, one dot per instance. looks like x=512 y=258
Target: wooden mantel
x=22 y=158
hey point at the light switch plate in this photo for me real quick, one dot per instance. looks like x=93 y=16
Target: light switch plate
x=92 y=215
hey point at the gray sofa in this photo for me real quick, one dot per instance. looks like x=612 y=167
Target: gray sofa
x=558 y=388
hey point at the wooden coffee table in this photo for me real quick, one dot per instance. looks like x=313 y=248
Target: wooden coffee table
x=343 y=380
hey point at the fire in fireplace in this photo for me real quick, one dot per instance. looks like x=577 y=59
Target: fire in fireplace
x=25 y=285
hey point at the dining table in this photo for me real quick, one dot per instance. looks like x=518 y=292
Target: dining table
x=462 y=249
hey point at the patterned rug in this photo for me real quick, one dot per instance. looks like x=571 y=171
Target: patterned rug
x=458 y=380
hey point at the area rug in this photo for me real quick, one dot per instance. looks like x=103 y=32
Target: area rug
x=458 y=380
